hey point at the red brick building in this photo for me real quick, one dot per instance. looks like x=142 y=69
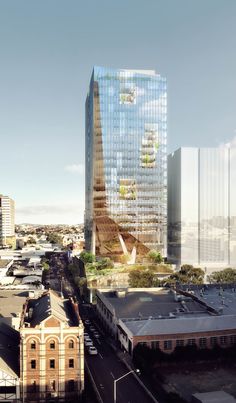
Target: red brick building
x=51 y=350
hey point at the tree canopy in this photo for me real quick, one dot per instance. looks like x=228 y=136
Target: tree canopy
x=225 y=276
x=188 y=274
x=142 y=279
x=87 y=257
x=155 y=256
x=54 y=238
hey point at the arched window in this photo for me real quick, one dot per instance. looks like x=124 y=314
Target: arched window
x=33 y=345
x=52 y=345
x=71 y=343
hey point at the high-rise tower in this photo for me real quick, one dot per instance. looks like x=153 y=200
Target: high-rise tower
x=126 y=130
x=7 y=221
x=202 y=207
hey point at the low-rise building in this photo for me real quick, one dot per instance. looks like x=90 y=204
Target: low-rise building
x=9 y=364
x=5 y=265
x=165 y=318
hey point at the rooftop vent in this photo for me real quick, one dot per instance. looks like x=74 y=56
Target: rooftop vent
x=121 y=293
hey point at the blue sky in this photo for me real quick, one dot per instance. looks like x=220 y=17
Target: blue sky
x=47 y=51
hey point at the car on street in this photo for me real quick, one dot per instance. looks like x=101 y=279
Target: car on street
x=87 y=322
x=96 y=335
x=92 y=328
x=92 y=350
x=88 y=343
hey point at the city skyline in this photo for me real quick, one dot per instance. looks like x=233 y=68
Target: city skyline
x=48 y=53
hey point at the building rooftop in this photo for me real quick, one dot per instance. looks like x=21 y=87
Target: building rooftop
x=180 y=325
x=213 y=397
x=220 y=297
x=4 y=263
x=11 y=302
x=9 y=350
x=164 y=311
x=50 y=304
x=158 y=303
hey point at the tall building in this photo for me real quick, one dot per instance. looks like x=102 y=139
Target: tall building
x=7 y=221
x=51 y=350
x=126 y=162
x=202 y=206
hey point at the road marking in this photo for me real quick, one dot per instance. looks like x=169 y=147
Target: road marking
x=112 y=375
x=101 y=356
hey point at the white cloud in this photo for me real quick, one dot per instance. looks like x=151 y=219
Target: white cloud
x=75 y=168
x=232 y=142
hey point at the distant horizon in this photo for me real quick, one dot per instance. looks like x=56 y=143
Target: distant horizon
x=48 y=225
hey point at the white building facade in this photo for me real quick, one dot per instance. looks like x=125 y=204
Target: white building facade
x=7 y=220
x=202 y=207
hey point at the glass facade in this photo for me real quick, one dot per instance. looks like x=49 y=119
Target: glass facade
x=126 y=132
x=201 y=206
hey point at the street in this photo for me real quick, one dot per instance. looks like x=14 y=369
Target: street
x=106 y=366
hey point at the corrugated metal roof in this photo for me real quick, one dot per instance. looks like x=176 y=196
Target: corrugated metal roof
x=181 y=325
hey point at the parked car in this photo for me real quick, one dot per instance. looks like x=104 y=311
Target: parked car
x=88 y=343
x=87 y=322
x=92 y=328
x=96 y=335
x=92 y=350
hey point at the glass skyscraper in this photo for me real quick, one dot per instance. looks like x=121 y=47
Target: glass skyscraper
x=202 y=206
x=126 y=162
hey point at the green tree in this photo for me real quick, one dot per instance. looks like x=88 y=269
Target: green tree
x=225 y=276
x=54 y=238
x=188 y=274
x=142 y=279
x=155 y=256
x=105 y=263
x=87 y=257
x=45 y=266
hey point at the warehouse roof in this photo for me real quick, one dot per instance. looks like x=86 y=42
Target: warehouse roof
x=154 y=303
x=180 y=325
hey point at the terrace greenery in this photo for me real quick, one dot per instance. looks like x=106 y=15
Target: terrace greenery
x=226 y=276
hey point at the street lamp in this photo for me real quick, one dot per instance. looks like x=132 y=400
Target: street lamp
x=137 y=371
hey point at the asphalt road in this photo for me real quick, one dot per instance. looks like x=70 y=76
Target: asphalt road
x=106 y=367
